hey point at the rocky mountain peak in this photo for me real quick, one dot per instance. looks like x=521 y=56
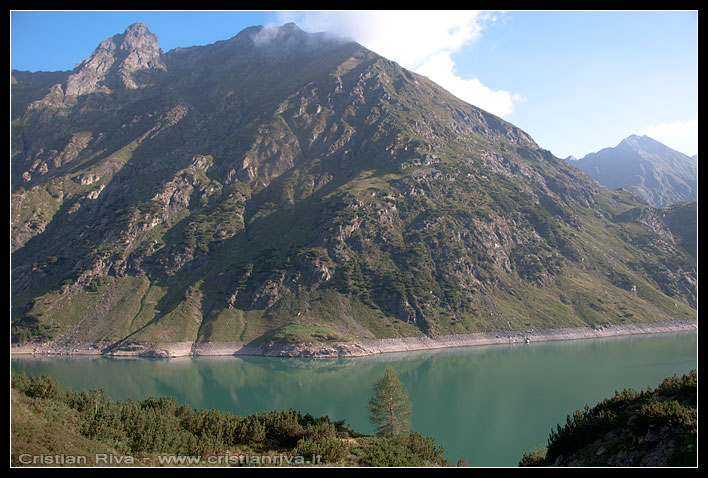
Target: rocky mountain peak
x=137 y=38
x=288 y=32
x=649 y=147
x=116 y=61
x=640 y=143
x=284 y=40
x=659 y=174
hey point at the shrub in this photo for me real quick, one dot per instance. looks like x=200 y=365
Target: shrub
x=424 y=447
x=283 y=427
x=20 y=381
x=670 y=413
x=330 y=449
x=534 y=458
x=386 y=452
x=320 y=431
x=44 y=387
x=250 y=430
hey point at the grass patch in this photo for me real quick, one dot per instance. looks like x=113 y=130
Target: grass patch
x=226 y=325
x=299 y=333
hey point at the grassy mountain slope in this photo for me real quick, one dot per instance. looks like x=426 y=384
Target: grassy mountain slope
x=281 y=179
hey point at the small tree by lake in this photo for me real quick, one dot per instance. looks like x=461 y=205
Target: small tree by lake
x=389 y=407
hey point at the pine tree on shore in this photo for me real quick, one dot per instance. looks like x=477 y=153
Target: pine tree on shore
x=389 y=407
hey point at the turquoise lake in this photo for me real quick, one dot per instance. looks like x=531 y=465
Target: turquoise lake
x=489 y=404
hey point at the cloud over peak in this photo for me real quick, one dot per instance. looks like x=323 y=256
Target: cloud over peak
x=421 y=41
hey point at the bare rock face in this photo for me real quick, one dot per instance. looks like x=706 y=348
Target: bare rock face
x=118 y=62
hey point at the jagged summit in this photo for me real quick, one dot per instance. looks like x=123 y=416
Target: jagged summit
x=115 y=61
x=278 y=33
x=285 y=40
x=131 y=59
x=643 y=143
x=138 y=38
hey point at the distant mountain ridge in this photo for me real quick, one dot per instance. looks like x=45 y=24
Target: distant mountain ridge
x=660 y=175
x=286 y=186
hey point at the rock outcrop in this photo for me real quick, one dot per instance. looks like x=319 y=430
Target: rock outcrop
x=122 y=61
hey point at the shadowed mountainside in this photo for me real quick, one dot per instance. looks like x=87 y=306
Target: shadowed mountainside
x=284 y=181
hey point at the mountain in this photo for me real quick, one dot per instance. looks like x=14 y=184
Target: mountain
x=288 y=186
x=659 y=174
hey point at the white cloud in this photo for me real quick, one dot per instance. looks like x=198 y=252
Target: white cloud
x=421 y=41
x=679 y=135
x=441 y=69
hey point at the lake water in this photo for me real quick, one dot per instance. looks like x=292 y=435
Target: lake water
x=489 y=404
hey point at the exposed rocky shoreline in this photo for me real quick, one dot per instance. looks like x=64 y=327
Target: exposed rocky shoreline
x=358 y=348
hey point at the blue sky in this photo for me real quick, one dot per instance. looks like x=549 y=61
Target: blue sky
x=576 y=81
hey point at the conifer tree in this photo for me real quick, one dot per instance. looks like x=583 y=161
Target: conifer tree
x=389 y=407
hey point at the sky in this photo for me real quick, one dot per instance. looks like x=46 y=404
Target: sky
x=576 y=81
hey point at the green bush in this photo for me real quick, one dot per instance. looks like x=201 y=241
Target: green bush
x=534 y=458
x=330 y=449
x=387 y=452
x=683 y=388
x=670 y=413
x=283 y=427
x=425 y=448
x=320 y=431
x=251 y=430
x=44 y=387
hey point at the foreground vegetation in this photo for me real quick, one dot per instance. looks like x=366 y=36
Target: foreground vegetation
x=648 y=428
x=54 y=426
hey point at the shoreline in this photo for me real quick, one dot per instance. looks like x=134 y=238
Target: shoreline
x=355 y=348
